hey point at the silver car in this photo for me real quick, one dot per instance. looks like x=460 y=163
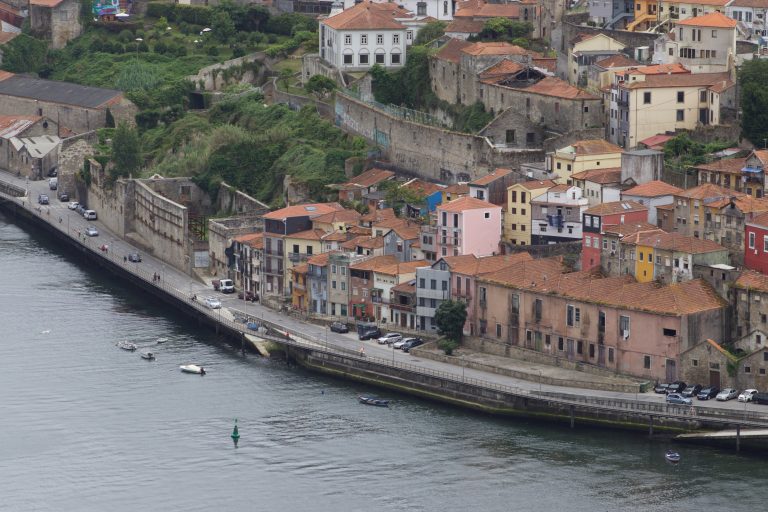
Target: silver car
x=727 y=394
x=91 y=231
x=389 y=338
x=212 y=302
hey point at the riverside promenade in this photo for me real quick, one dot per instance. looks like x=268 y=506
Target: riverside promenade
x=336 y=354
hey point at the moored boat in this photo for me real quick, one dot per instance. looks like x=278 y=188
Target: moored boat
x=149 y=356
x=672 y=456
x=372 y=400
x=192 y=368
x=127 y=345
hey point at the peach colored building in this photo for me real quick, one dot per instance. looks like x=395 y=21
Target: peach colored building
x=468 y=226
x=616 y=323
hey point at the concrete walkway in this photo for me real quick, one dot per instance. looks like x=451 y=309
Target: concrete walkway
x=73 y=224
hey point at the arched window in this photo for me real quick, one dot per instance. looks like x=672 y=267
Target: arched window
x=364 y=57
x=395 y=57
x=348 y=58
x=381 y=56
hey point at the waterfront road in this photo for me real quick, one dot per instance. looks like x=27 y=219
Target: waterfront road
x=72 y=223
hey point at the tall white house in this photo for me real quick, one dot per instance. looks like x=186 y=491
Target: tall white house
x=750 y=16
x=366 y=34
x=704 y=44
x=439 y=9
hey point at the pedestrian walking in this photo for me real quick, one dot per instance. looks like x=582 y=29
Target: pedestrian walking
x=125 y=259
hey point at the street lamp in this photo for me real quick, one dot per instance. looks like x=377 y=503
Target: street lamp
x=541 y=375
x=138 y=41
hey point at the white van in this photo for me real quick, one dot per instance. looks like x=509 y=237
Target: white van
x=89 y=214
x=53 y=183
x=226 y=286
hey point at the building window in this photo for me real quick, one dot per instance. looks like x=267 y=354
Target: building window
x=670 y=332
x=680 y=115
x=624 y=326
x=681 y=96
x=703 y=96
x=510 y=136
x=433 y=284
x=395 y=38
x=364 y=39
x=409 y=35
x=379 y=58
x=498 y=330
x=348 y=58
x=537 y=305
x=752 y=240
x=647 y=98
x=579 y=347
x=364 y=58
x=347 y=39
x=647 y=362
x=714 y=34
x=421 y=9
x=487 y=215
x=573 y=315
x=694 y=362
x=379 y=38
x=747 y=369
x=560 y=344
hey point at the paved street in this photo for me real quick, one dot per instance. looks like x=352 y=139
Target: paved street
x=69 y=221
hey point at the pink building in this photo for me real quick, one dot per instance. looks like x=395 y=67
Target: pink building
x=468 y=226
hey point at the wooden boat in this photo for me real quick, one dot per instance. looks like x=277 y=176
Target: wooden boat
x=149 y=356
x=192 y=368
x=127 y=345
x=672 y=456
x=372 y=400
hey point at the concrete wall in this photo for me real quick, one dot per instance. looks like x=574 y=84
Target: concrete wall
x=443 y=77
x=163 y=224
x=512 y=122
x=239 y=70
x=56 y=24
x=232 y=200
x=427 y=151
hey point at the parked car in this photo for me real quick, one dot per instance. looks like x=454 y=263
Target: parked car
x=692 y=390
x=89 y=215
x=42 y=199
x=91 y=231
x=760 y=398
x=707 y=393
x=676 y=387
x=339 y=327
x=727 y=394
x=53 y=183
x=212 y=302
x=249 y=296
x=660 y=388
x=73 y=205
x=411 y=344
x=63 y=197
x=677 y=398
x=370 y=334
x=747 y=395
x=53 y=172
x=226 y=286
x=80 y=208
x=134 y=257
x=399 y=344
x=390 y=338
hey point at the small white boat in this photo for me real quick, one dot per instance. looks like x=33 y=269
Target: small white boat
x=149 y=356
x=672 y=456
x=192 y=368
x=127 y=345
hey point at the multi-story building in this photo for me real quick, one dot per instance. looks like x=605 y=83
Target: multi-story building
x=597 y=219
x=730 y=173
x=367 y=34
x=493 y=186
x=651 y=104
x=279 y=224
x=652 y=194
x=441 y=10
x=433 y=287
x=611 y=13
x=402 y=305
x=361 y=283
x=299 y=292
x=616 y=323
x=248 y=258
x=584 y=155
x=363 y=184
x=587 y=49
x=385 y=278
x=614 y=261
x=704 y=44
x=317 y=284
x=750 y=294
x=556 y=215
x=468 y=226
x=517 y=216
x=750 y=17
x=599 y=185
x=756 y=243
x=339 y=282
x=600 y=74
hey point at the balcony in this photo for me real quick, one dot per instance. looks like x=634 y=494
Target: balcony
x=297 y=257
x=402 y=307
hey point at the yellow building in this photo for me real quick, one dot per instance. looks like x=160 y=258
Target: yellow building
x=646 y=15
x=299 y=294
x=517 y=217
x=584 y=155
x=301 y=246
x=655 y=104
x=585 y=51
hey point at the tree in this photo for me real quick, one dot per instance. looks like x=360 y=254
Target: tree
x=754 y=101
x=320 y=85
x=450 y=317
x=126 y=152
x=396 y=196
x=430 y=32
x=222 y=26
x=504 y=28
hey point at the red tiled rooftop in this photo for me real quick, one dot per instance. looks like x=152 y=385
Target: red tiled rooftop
x=616 y=207
x=491 y=177
x=600 y=176
x=713 y=19
x=303 y=210
x=654 y=188
x=465 y=203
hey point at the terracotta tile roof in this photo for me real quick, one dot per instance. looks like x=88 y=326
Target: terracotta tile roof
x=478 y=266
x=371 y=242
x=537 y=184
x=45 y=3
x=552 y=86
x=301 y=268
x=375 y=263
x=351 y=244
x=750 y=3
x=6 y=7
x=465 y=26
x=496 y=48
x=560 y=188
x=368 y=15
x=617 y=61
x=749 y=204
x=451 y=51
x=657 y=141
x=491 y=177
x=681 y=80
x=408 y=232
x=378 y=215
x=674 y=242
x=548 y=63
x=483 y=9
x=319 y=260
x=368 y=178
x=761 y=154
x=303 y=210
x=709 y=191
x=457 y=188
x=583 y=36
x=660 y=69
x=13 y=126
x=719 y=3
x=601 y=176
x=546 y=277
x=501 y=69
x=630 y=228
x=616 y=207
x=254 y=240
x=348 y=216
x=725 y=166
x=669 y=206
x=336 y=236
x=654 y=188
x=422 y=187
x=7 y=36
x=310 y=234
x=359 y=230
x=714 y=19
x=592 y=147
x=454 y=261
x=751 y=280
x=406 y=267
x=392 y=222
x=465 y=203
x=406 y=287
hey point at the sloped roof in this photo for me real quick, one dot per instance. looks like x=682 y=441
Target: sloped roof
x=478 y=266
x=457 y=188
x=375 y=263
x=501 y=69
x=496 y=48
x=630 y=228
x=592 y=147
x=548 y=63
x=13 y=126
x=681 y=80
x=617 y=61
x=750 y=3
x=406 y=287
x=368 y=16
x=348 y=216
x=254 y=240
x=301 y=268
x=371 y=242
x=537 y=184
x=45 y=3
x=319 y=260
x=7 y=36
x=465 y=203
x=483 y=9
x=660 y=69
x=616 y=207
x=303 y=210
x=464 y=25
x=368 y=178
x=491 y=176
x=657 y=141
x=725 y=166
x=378 y=215
x=709 y=191
x=310 y=234
x=54 y=91
x=451 y=51
x=674 y=242
x=713 y=19
x=654 y=188
x=601 y=176
x=398 y=268
x=425 y=188
x=751 y=280
x=553 y=86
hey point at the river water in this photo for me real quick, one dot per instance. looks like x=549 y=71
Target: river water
x=85 y=426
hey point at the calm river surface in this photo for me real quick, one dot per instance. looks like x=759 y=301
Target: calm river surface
x=85 y=426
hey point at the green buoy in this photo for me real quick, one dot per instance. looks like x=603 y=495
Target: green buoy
x=235 y=434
